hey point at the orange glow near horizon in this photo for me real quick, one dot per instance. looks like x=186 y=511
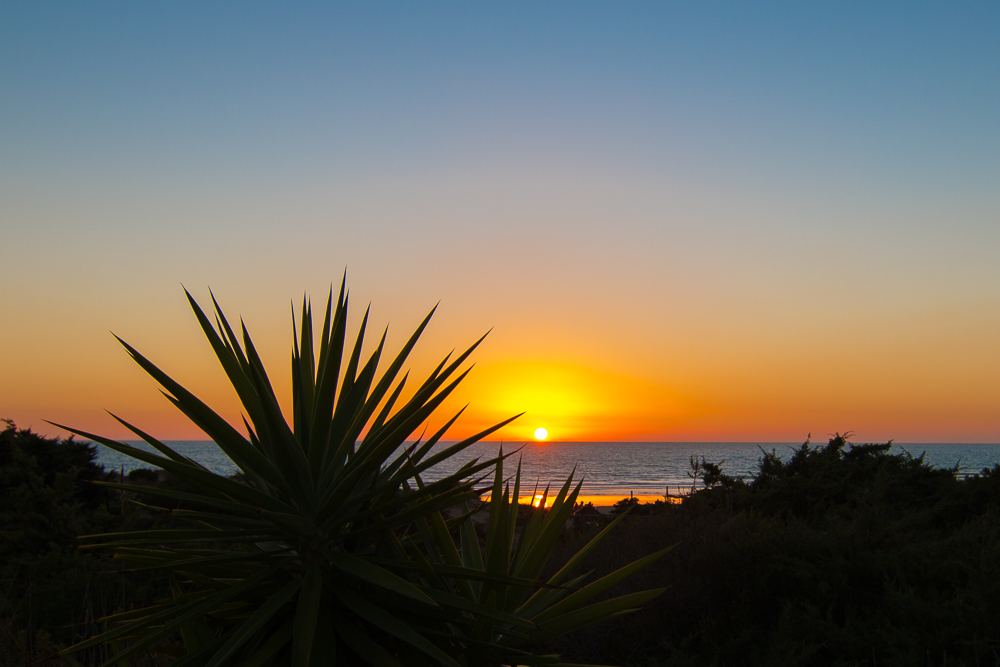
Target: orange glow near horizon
x=597 y=501
x=536 y=500
x=575 y=401
x=749 y=393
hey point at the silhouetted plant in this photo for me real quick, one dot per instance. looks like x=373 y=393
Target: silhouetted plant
x=328 y=546
x=624 y=505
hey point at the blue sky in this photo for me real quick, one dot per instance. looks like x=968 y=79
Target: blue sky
x=747 y=178
x=904 y=92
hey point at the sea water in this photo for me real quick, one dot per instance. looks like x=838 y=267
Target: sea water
x=608 y=469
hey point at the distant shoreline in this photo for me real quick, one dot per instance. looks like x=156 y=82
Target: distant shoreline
x=610 y=471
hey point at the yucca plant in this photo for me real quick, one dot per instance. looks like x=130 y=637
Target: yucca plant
x=512 y=613
x=327 y=546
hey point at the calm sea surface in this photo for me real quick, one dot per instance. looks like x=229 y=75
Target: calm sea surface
x=609 y=468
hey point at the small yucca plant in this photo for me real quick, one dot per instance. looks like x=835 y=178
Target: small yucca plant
x=327 y=547
x=511 y=613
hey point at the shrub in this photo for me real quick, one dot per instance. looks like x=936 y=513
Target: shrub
x=140 y=475
x=50 y=592
x=837 y=555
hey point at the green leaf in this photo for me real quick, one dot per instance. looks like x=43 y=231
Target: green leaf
x=164 y=535
x=472 y=555
x=198 y=657
x=446 y=599
x=381 y=618
x=597 y=612
x=374 y=574
x=598 y=587
x=328 y=371
x=540 y=548
x=306 y=615
x=195 y=634
x=383 y=414
x=277 y=641
x=289 y=456
x=358 y=640
x=580 y=555
x=263 y=614
x=269 y=648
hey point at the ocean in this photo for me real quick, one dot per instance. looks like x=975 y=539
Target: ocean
x=610 y=470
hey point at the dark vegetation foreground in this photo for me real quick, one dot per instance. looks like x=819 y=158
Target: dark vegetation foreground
x=839 y=555
x=52 y=593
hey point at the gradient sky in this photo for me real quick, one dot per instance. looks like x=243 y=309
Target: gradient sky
x=702 y=222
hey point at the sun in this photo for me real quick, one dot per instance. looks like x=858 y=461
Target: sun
x=541 y=433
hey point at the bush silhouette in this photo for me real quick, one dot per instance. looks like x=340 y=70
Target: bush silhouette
x=837 y=555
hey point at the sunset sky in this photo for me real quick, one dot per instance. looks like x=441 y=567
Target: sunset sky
x=711 y=222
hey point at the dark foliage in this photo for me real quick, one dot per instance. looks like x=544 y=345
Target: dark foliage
x=840 y=555
x=624 y=505
x=51 y=592
x=635 y=508
x=44 y=491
